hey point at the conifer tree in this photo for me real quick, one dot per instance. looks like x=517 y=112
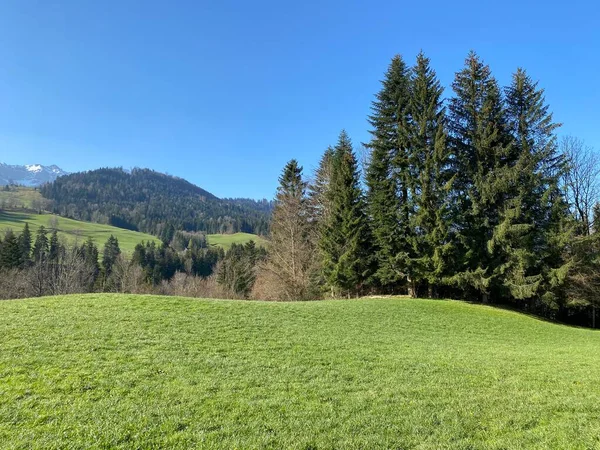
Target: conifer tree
x=428 y=156
x=527 y=232
x=388 y=178
x=10 y=252
x=481 y=151
x=54 y=249
x=345 y=238
x=25 y=245
x=318 y=196
x=111 y=253
x=90 y=255
x=40 y=247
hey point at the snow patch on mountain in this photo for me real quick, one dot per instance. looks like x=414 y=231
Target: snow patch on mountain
x=30 y=175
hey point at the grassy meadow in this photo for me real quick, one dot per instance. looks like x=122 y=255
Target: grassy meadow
x=226 y=240
x=125 y=371
x=73 y=230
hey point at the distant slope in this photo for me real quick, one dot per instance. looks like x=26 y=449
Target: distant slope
x=149 y=201
x=73 y=230
x=29 y=175
x=127 y=371
x=18 y=197
x=226 y=240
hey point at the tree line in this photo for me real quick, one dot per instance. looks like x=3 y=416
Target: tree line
x=45 y=264
x=148 y=201
x=471 y=196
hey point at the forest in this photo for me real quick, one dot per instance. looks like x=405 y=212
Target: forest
x=470 y=196
x=152 y=202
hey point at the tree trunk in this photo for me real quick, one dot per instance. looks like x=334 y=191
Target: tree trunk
x=485 y=298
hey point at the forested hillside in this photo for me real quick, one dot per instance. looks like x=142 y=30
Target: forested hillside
x=152 y=202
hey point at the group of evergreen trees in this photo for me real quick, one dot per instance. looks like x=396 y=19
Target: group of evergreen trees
x=461 y=196
x=46 y=265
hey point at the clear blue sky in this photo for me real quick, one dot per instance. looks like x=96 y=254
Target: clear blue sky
x=223 y=93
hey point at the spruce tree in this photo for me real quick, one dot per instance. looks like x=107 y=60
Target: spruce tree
x=345 y=238
x=10 y=253
x=54 y=249
x=528 y=230
x=388 y=176
x=428 y=155
x=25 y=245
x=110 y=255
x=318 y=189
x=40 y=247
x=481 y=152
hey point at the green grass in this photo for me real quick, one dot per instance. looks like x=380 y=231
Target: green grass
x=22 y=197
x=225 y=240
x=73 y=230
x=124 y=371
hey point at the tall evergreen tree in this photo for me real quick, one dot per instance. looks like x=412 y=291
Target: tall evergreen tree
x=54 y=250
x=90 y=255
x=318 y=197
x=110 y=255
x=481 y=150
x=388 y=176
x=428 y=156
x=25 y=245
x=526 y=234
x=10 y=252
x=345 y=239
x=40 y=247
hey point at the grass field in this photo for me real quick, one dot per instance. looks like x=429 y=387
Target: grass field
x=73 y=230
x=225 y=240
x=118 y=371
x=22 y=197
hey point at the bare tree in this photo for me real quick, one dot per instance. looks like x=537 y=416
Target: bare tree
x=291 y=260
x=581 y=180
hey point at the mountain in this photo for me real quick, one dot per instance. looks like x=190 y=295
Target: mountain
x=152 y=202
x=31 y=175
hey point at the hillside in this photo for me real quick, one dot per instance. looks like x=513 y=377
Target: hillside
x=119 y=371
x=152 y=202
x=73 y=230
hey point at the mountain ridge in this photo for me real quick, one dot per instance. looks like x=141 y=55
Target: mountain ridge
x=30 y=175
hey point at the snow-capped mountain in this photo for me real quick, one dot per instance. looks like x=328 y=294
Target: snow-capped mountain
x=29 y=175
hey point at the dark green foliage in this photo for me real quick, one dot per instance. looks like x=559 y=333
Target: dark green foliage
x=10 y=252
x=237 y=270
x=152 y=202
x=430 y=222
x=159 y=262
x=90 y=255
x=345 y=238
x=41 y=246
x=183 y=240
x=388 y=177
x=25 y=246
x=54 y=249
x=534 y=209
x=110 y=254
x=483 y=157
x=202 y=262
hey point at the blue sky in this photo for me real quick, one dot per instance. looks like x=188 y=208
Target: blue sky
x=223 y=93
